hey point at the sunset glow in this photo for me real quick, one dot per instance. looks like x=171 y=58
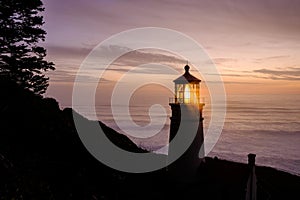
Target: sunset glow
x=254 y=44
x=160 y=99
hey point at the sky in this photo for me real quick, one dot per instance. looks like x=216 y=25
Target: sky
x=255 y=44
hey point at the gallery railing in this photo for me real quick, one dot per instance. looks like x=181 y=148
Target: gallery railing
x=186 y=100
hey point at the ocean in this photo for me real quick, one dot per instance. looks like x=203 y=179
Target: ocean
x=266 y=125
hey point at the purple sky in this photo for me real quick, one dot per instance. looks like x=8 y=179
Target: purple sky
x=255 y=44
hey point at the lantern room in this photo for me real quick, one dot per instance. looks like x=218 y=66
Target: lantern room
x=187 y=89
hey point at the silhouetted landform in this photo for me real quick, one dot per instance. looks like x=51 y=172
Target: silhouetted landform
x=42 y=157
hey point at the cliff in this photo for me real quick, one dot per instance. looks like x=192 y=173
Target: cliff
x=42 y=157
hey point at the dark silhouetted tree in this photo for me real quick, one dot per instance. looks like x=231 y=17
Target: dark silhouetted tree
x=21 y=56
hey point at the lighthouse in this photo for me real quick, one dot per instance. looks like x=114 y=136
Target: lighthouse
x=186 y=121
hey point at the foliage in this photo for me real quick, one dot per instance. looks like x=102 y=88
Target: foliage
x=21 y=57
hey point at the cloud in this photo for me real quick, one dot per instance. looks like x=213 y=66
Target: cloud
x=70 y=59
x=67 y=51
x=289 y=74
x=223 y=60
x=233 y=75
x=132 y=58
x=232 y=82
x=229 y=75
x=142 y=58
x=65 y=76
x=292 y=74
x=88 y=21
x=271 y=58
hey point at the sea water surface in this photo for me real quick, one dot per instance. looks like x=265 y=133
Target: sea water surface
x=266 y=125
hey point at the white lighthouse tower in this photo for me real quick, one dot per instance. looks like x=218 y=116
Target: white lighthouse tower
x=186 y=119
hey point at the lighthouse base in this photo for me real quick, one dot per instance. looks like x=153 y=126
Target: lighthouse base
x=186 y=140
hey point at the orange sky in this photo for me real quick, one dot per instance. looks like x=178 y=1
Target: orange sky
x=254 y=44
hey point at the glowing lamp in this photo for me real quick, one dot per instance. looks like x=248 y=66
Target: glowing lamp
x=187 y=89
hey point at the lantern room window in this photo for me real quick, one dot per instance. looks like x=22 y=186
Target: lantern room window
x=187 y=89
